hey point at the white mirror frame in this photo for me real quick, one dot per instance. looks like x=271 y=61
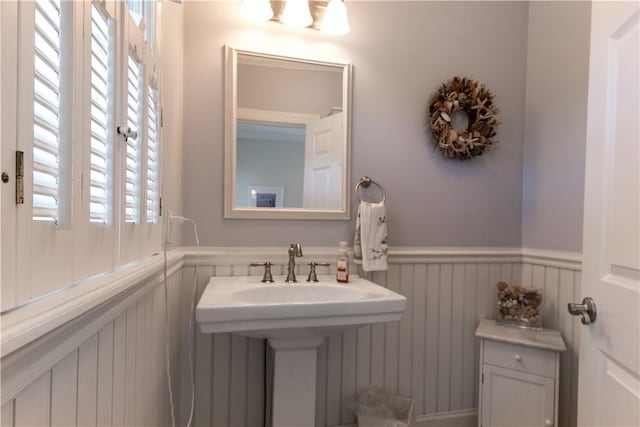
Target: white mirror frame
x=230 y=146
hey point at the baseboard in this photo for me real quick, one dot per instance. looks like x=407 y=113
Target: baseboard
x=464 y=418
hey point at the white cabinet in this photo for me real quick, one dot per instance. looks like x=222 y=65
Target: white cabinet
x=519 y=374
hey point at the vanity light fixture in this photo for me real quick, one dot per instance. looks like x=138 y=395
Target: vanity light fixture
x=335 y=20
x=296 y=13
x=329 y=16
x=257 y=10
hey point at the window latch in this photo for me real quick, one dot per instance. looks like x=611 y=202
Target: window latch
x=19 y=177
x=127 y=132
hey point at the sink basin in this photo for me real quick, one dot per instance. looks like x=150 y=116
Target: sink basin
x=297 y=293
x=248 y=307
x=295 y=318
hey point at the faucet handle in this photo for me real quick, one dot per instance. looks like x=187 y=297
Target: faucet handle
x=297 y=249
x=312 y=277
x=267 y=277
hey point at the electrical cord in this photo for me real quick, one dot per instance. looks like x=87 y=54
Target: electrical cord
x=180 y=219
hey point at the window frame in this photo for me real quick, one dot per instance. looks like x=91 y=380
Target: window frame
x=76 y=248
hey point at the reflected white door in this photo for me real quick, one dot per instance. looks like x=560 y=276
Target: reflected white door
x=324 y=163
x=609 y=378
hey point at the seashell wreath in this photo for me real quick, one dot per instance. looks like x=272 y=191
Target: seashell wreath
x=472 y=98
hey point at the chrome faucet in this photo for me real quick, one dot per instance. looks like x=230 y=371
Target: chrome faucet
x=294 y=250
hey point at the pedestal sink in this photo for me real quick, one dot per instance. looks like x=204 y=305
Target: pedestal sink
x=295 y=319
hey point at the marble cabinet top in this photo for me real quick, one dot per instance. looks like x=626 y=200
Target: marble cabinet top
x=547 y=339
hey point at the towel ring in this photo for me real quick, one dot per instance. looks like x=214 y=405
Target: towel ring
x=365 y=182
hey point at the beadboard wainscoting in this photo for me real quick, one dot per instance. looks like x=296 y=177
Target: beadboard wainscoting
x=106 y=367
x=558 y=275
x=99 y=360
x=430 y=355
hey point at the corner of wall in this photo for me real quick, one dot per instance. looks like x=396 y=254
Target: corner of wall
x=172 y=111
x=555 y=125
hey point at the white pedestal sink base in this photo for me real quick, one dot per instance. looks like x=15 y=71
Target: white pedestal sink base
x=294 y=382
x=295 y=318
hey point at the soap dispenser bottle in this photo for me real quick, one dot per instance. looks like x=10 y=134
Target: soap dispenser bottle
x=342 y=264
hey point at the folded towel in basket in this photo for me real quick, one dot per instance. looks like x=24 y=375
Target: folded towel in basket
x=370 y=241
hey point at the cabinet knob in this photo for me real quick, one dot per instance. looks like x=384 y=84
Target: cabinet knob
x=548 y=423
x=518 y=358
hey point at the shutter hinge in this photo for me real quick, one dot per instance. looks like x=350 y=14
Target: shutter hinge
x=482 y=382
x=19 y=177
x=160 y=206
x=161 y=117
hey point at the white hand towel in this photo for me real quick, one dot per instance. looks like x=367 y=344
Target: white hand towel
x=370 y=242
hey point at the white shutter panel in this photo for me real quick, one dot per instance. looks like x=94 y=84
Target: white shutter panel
x=134 y=116
x=100 y=149
x=46 y=111
x=153 y=157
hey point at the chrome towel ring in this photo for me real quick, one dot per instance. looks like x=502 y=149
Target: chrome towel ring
x=365 y=182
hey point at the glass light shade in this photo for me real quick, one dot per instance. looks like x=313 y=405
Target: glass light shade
x=257 y=10
x=296 y=13
x=335 y=18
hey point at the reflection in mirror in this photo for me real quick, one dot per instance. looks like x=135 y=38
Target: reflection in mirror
x=287 y=138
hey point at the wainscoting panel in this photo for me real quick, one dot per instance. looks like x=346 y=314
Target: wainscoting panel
x=431 y=355
x=229 y=369
x=106 y=366
x=114 y=377
x=560 y=286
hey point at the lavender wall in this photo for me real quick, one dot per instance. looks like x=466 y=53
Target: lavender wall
x=401 y=52
x=556 y=114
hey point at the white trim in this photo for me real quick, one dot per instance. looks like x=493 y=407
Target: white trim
x=549 y=258
x=22 y=367
x=25 y=324
x=397 y=255
x=272 y=116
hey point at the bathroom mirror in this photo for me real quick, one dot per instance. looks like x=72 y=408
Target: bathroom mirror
x=287 y=136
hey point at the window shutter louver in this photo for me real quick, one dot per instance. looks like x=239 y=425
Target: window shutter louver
x=136 y=9
x=46 y=111
x=153 y=157
x=100 y=150
x=134 y=113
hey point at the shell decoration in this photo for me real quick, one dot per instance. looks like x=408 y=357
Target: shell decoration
x=461 y=94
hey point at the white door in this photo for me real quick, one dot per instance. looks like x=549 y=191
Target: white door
x=324 y=163
x=609 y=376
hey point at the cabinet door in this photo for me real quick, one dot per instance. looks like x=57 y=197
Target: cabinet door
x=516 y=399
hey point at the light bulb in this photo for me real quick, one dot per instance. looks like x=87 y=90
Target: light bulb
x=257 y=10
x=335 y=18
x=296 y=13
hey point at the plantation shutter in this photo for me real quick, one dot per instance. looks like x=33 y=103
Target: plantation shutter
x=153 y=157
x=136 y=9
x=134 y=116
x=46 y=111
x=100 y=163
